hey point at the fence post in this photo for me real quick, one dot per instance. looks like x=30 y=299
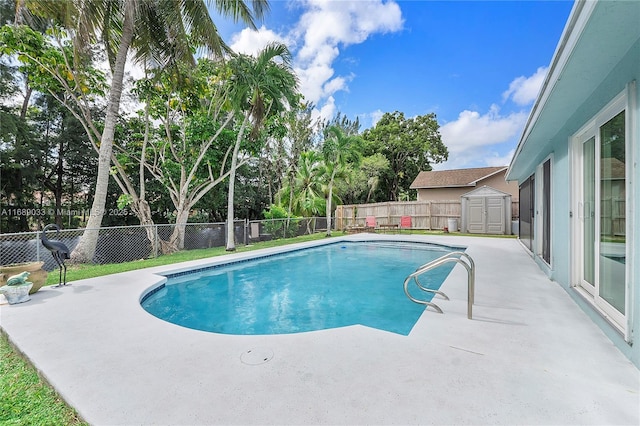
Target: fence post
x=37 y=246
x=246 y=227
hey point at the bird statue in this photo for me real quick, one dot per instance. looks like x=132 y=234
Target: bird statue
x=58 y=250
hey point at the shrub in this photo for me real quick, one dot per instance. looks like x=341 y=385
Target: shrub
x=278 y=225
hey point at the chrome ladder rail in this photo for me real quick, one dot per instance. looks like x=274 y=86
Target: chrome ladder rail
x=457 y=257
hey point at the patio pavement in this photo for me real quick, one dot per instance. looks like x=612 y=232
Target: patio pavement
x=529 y=356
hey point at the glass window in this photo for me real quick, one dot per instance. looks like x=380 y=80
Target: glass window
x=612 y=212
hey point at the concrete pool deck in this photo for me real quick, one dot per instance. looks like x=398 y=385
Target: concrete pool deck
x=529 y=356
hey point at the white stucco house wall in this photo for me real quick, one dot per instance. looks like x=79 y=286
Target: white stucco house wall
x=577 y=168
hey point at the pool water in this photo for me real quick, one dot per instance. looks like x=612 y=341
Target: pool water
x=330 y=286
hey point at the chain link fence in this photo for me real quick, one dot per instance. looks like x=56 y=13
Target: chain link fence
x=126 y=243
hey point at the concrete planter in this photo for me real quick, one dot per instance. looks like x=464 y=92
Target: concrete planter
x=16 y=294
x=37 y=275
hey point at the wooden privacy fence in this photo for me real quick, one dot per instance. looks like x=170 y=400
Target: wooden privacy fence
x=424 y=214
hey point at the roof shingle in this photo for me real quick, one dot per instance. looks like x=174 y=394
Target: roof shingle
x=457 y=178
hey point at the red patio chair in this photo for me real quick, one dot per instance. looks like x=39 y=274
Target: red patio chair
x=405 y=222
x=371 y=222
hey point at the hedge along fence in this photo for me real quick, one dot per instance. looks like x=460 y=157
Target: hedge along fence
x=424 y=214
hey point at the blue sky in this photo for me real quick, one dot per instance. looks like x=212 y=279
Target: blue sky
x=477 y=65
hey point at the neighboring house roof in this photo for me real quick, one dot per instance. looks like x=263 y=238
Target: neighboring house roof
x=454 y=178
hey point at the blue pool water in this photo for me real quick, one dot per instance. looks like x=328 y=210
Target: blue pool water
x=330 y=286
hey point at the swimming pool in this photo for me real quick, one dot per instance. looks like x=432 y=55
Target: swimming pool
x=329 y=286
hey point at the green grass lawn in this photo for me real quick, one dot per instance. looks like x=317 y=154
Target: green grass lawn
x=26 y=399
x=80 y=272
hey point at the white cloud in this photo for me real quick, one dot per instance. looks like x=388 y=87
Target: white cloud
x=476 y=157
x=524 y=90
x=327 y=25
x=473 y=139
x=336 y=84
x=370 y=119
x=250 y=42
x=474 y=130
x=327 y=111
x=479 y=140
x=496 y=159
x=324 y=27
x=375 y=116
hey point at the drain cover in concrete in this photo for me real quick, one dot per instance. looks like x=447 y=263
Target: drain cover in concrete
x=256 y=356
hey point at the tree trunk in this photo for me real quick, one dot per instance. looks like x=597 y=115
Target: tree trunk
x=86 y=247
x=231 y=243
x=25 y=102
x=143 y=211
x=290 y=209
x=328 y=207
x=176 y=241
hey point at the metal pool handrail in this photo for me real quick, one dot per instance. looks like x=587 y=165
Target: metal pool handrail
x=457 y=257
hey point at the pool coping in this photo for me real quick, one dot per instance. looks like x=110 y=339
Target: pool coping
x=520 y=360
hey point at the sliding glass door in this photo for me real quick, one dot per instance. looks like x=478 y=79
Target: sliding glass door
x=600 y=183
x=612 y=245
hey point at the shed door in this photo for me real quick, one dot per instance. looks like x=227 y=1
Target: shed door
x=476 y=209
x=495 y=215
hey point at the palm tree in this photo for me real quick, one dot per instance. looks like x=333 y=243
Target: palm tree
x=306 y=193
x=259 y=87
x=160 y=31
x=338 y=149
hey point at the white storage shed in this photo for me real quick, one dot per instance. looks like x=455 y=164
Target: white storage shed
x=486 y=211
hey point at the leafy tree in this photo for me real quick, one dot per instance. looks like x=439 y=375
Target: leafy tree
x=188 y=156
x=279 y=228
x=159 y=30
x=66 y=162
x=250 y=196
x=258 y=88
x=20 y=144
x=20 y=147
x=349 y=127
x=363 y=180
x=410 y=144
x=51 y=67
x=306 y=193
x=301 y=139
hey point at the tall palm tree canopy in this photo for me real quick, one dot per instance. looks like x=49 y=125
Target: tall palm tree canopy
x=264 y=84
x=258 y=87
x=165 y=31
